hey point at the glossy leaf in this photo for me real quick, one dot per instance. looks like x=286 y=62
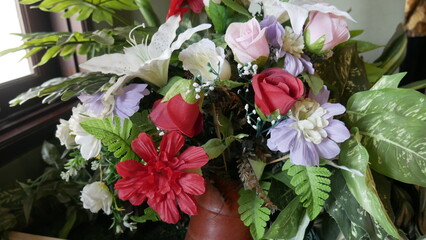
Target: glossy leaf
x=287 y=223
x=234 y=5
x=354 y=155
x=218 y=15
x=397 y=146
x=404 y=102
x=388 y=81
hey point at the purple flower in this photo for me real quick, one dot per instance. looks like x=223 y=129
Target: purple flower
x=126 y=101
x=310 y=132
x=287 y=44
x=274 y=31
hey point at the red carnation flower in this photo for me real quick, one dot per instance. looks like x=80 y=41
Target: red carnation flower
x=162 y=180
x=176 y=7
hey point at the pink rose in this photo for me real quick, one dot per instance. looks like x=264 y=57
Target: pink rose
x=247 y=41
x=324 y=31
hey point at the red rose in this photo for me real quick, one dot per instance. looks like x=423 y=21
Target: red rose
x=275 y=89
x=178 y=7
x=177 y=115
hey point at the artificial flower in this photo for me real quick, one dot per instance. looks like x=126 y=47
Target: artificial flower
x=163 y=181
x=149 y=62
x=177 y=115
x=297 y=11
x=276 y=89
x=310 y=132
x=177 y=7
x=96 y=196
x=324 y=31
x=88 y=144
x=207 y=2
x=287 y=44
x=204 y=59
x=247 y=41
x=64 y=134
x=126 y=101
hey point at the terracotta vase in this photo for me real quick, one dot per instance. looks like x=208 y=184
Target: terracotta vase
x=218 y=217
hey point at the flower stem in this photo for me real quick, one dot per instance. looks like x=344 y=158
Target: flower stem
x=279 y=159
x=148 y=13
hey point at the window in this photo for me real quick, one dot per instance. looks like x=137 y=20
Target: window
x=23 y=127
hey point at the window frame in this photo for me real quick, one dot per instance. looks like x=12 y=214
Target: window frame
x=26 y=126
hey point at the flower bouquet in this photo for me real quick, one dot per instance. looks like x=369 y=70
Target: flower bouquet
x=271 y=94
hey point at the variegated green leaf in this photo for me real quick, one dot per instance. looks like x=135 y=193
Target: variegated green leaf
x=353 y=155
x=405 y=102
x=396 y=144
x=388 y=81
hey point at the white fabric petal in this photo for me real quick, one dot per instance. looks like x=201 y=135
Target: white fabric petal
x=116 y=63
x=163 y=38
x=155 y=72
x=187 y=35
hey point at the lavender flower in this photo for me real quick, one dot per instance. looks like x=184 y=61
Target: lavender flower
x=310 y=132
x=126 y=101
x=287 y=44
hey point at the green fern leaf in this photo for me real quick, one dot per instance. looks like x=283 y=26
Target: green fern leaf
x=114 y=133
x=252 y=212
x=312 y=184
x=100 y=10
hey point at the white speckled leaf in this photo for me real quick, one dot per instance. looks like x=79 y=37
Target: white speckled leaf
x=388 y=81
x=397 y=146
x=353 y=155
x=404 y=102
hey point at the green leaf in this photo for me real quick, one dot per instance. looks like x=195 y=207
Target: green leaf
x=353 y=155
x=416 y=85
x=142 y=123
x=404 y=102
x=228 y=83
x=114 y=133
x=373 y=72
x=389 y=81
x=314 y=82
x=394 y=52
x=100 y=10
x=149 y=215
x=355 y=33
x=183 y=87
x=280 y=194
x=362 y=46
x=215 y=146
x=252 y=212
x=102 y=37
x=287 y=223
x=225 y=126
x=237 y=7
x=218 y=15
x=354 y=222
x=49 y=54
x=397 y=146
x=311 y=184
x=344 y=73
x=70 y=221
x=50 y=154
x=65 y=88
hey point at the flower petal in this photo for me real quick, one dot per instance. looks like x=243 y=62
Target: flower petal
x=171 y=143
x=187 y=204
x=167 y=210
x=337 y=131
x=193 y=157
x=282 y=137
x=322 y=96
x=304 y=153
x=333 y=109
x=144 y=147
x=192 y=183
x=327 y=149
x=127 y=103
x=129 y=168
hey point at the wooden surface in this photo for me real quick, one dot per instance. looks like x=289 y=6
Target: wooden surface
x=26 y=236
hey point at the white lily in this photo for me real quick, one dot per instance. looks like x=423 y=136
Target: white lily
x=297 y=11
x=149 y=62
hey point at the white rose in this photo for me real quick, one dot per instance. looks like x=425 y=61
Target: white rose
x=63 y=133
x=90 y=147
x=96 y=196
x=202 y=57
